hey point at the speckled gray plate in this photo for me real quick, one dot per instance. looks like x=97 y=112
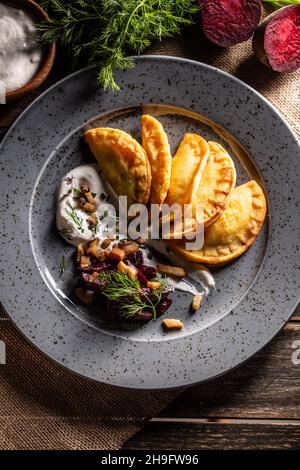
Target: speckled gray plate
x=255 y=296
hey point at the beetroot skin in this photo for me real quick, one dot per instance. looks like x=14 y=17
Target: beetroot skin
x=282 y=39
x=229 y=22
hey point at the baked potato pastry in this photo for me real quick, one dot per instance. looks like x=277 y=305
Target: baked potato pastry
x=233 y=233
x=156 y=144
x=187 y=168
x=123 y=161
x=217 y=181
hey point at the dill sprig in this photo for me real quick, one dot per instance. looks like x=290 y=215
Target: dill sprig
x=78 y=221
x=105 y=32
x=62 y=265
x=119 y=287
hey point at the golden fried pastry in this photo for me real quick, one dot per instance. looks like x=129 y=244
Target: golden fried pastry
x=177 y=231
x=216 y=183
x=123 y=161
x=236 y=229
x=156 y=144
x=187 y=168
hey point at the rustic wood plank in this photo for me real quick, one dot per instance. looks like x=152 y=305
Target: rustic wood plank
x=219 y=434
x=296 y=316
x=267 y=386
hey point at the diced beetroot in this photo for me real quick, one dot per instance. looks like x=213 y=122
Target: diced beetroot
x=92 y=283
x=163 y=305
x=143 y=280
x=98 y=268
x=167 y=292
x=136 y=259
x=148 y=271
x=282 y=39
x=229 y=22
x=141 y=316
x=110 y=311
x=145 y=273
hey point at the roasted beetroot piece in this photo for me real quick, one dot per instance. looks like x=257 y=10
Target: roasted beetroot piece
x=164 y=305
x=229 y=22
x=98 y=268
x=142 y=316
x=276 y=42
x=143 y=280
x=148 y=271
x=92 y=283
x=136 y=259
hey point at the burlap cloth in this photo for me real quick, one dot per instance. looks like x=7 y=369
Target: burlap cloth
x=43 y=406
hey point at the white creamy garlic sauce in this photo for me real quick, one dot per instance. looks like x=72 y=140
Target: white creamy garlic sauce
x=73 y=226
x=20 y=58
x=71 y=221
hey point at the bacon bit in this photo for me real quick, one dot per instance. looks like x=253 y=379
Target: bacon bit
x=84 y=261
x=105 y=244
x=86 y=297
x=171 y=270
x=80 y=249
x=92 y=220
x=153 y=285
x=99 y=254
x=85 y=188
x=171 y=324
x=130 y=270
x=95 y=274
x=196 y=302
x=129 y=247
x=79 y=253
x=102 y=255
x=117 y=254
x=87 y=206
x=87 y=193
x=89 y=197
x=92 y=250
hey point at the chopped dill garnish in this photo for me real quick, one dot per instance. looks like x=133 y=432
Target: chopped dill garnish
x=128 y=292
x=78 y=221
x=62 y=265
x=93 y=228
x=77 y=192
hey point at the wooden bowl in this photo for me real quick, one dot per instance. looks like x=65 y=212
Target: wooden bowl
x=48 y=54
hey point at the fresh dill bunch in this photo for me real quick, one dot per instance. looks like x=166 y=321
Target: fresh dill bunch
x=105 y=32
x=119 y=287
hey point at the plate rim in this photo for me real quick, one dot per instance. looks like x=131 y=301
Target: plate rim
x=156 y=58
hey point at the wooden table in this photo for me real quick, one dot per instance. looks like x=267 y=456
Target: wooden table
x=256 y=406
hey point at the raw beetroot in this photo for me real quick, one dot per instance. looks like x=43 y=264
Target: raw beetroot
x=276 y=42
x=229 y=22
